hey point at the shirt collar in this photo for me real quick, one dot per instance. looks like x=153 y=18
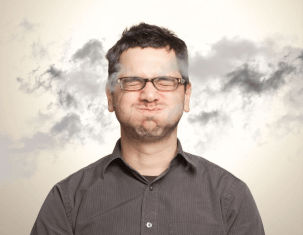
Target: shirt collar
x=117 y=154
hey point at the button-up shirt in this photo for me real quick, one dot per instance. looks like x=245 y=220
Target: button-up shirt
x=109 y=197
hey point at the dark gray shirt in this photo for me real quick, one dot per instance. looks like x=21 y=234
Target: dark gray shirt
x=108 y=197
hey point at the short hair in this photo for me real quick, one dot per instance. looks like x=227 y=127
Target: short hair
x=144 y=35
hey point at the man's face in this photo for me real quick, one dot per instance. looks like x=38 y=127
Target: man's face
x=148 y=115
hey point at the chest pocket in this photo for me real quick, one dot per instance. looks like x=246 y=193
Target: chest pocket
x=194 y=229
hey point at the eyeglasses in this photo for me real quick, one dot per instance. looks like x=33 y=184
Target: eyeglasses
x=162 y=83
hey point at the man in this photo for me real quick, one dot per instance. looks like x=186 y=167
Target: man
x=149 y=185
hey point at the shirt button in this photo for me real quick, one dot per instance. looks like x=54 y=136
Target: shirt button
x=151 y=188
x=149 y=225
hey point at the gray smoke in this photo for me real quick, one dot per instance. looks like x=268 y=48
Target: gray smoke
x=91 y=51
x=249 y=80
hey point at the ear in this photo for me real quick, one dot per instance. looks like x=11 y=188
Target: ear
x=110 y=99
x=187 y=97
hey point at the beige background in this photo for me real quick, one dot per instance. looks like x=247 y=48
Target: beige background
x=246 y=110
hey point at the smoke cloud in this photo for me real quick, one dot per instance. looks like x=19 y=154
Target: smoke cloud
x=228 y=82
x=92 y=51
x=204 y=118
x=249 y=80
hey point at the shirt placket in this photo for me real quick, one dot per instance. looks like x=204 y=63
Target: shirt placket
x=149 y=217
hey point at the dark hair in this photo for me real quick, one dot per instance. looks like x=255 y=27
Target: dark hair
x=145 y=35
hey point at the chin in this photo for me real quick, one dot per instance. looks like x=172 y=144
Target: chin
x=149 y=135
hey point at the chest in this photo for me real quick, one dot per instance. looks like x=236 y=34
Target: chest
x=159 y=208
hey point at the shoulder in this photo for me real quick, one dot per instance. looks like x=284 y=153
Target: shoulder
x=206 y=166
x=84 y=177
x=217 y=177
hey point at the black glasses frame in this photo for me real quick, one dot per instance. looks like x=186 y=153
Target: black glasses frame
x=180 y=81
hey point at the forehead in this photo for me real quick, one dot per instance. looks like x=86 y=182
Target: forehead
x=148 y=62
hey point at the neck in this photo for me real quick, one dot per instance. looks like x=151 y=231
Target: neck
x=149 y=158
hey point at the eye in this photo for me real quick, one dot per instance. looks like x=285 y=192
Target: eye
x=132 y=82
x=165 y=82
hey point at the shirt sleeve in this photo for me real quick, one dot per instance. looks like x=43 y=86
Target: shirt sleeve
x=242 y=215
x=52 y=218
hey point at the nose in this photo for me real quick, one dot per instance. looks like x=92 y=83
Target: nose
x=149 y=93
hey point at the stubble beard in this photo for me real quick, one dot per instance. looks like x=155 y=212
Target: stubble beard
x=140 y=133
x=149 y=135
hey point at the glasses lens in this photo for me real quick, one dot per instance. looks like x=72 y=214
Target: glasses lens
x=166 y=83
x=132 y=83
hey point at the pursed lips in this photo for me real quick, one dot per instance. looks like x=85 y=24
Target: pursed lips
x=150 y=106
x=150 y=109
